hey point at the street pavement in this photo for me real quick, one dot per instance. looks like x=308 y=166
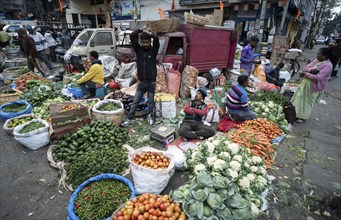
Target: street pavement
x=307 y=171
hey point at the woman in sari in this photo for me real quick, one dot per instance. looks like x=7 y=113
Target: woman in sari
x=316 y=77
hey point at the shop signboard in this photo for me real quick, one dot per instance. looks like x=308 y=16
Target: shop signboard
x=124 y=9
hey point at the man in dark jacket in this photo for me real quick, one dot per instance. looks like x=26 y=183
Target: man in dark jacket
x=192 y=126
x=272 y=76
x=146 y=69
x=29 y=49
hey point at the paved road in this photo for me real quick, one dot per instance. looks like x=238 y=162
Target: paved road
x=29 y=186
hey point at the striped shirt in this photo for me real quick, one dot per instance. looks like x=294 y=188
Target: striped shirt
x=237 y=99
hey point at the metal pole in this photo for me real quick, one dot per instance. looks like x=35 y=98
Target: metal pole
x=261 y=22
x=283 y=17
x=312 y=25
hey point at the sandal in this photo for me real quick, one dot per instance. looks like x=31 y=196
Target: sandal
x=299 y=120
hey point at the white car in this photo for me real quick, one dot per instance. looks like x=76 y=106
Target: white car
x=12 y=29
x=320 y=40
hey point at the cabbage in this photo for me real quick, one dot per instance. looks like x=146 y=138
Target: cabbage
x=220 y=182
x=238 y=202
x=215 y=202
x=204 y=179
x=208 y=211
x=200 y=194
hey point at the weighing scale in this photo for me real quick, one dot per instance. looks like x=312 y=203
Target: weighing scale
x=163 y=133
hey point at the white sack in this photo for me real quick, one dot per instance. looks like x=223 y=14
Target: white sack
x=34 y=139
x=167 y=109
x=98 y=104
x=148 y=180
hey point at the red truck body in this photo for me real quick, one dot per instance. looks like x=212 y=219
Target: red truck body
x=201 y=47
x=209 y=47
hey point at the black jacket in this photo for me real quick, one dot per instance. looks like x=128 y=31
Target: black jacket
x=146 y=60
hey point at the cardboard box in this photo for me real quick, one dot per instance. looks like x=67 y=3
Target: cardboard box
x=68 y=121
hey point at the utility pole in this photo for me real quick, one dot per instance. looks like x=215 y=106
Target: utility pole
x=312 y=25
x=261 y=23
x=284 y=16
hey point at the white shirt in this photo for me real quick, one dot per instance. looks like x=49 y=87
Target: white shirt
x=50 y=40
x=40 y=41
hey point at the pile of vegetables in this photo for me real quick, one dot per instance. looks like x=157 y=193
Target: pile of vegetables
x=16 y=107
x=43 y=111
x=38 y=93
x=150 y=206
x=127 y=101
x=22 y=71
x=100 y=199
x=32 y=126
x=271 y=111
x=88 y=102
x=21 y=81
x=152 y=160
x=266 y=96
x=92 y=161
x=74 y=85
x=227 y=182
x=18 y=121
x=256 y=141
x=69 y=107
x=109 y=106
x=269 y=128
x=117 y=95
x=97 y=134
x=7 y=90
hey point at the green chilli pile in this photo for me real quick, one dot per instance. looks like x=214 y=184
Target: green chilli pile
x=100 y=199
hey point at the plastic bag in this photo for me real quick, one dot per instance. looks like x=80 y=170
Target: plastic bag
x=77 y=92
x=127 y=70
x=70 y=210
x=189 y=79
x=34 y=139
x=212 y=115
x=7 y=115
x=110 y=65
x=215 y=72
x=98 y=104
x=167 y=108
x=267 y=86
x=161 y=85
x=218 y=95
x=260 y=74
x=179 y=156
x=124 y=83
x=148 y=180
x=173 y=80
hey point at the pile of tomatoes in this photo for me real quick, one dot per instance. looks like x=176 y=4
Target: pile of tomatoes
x=150 y=206
x=152 y=160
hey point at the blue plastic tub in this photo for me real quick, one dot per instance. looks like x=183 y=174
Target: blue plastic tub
x=7 y=115
x=72 y=215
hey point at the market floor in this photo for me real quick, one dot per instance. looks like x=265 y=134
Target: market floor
x=29 y=186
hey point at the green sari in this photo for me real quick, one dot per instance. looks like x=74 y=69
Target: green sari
x=304 y=99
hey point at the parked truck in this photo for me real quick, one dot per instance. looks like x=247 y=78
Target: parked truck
x=201 y=47
x=101 y=40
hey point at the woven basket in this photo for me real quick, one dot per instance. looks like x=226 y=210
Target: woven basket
x=116 y=119
x=4 y=98
x=164 y=26
x=195 y=19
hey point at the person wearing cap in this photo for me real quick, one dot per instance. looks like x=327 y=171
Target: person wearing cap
x=94 y=78
x=29 y=49
x=192 y=126
x=41 y=45
x=236 y=101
